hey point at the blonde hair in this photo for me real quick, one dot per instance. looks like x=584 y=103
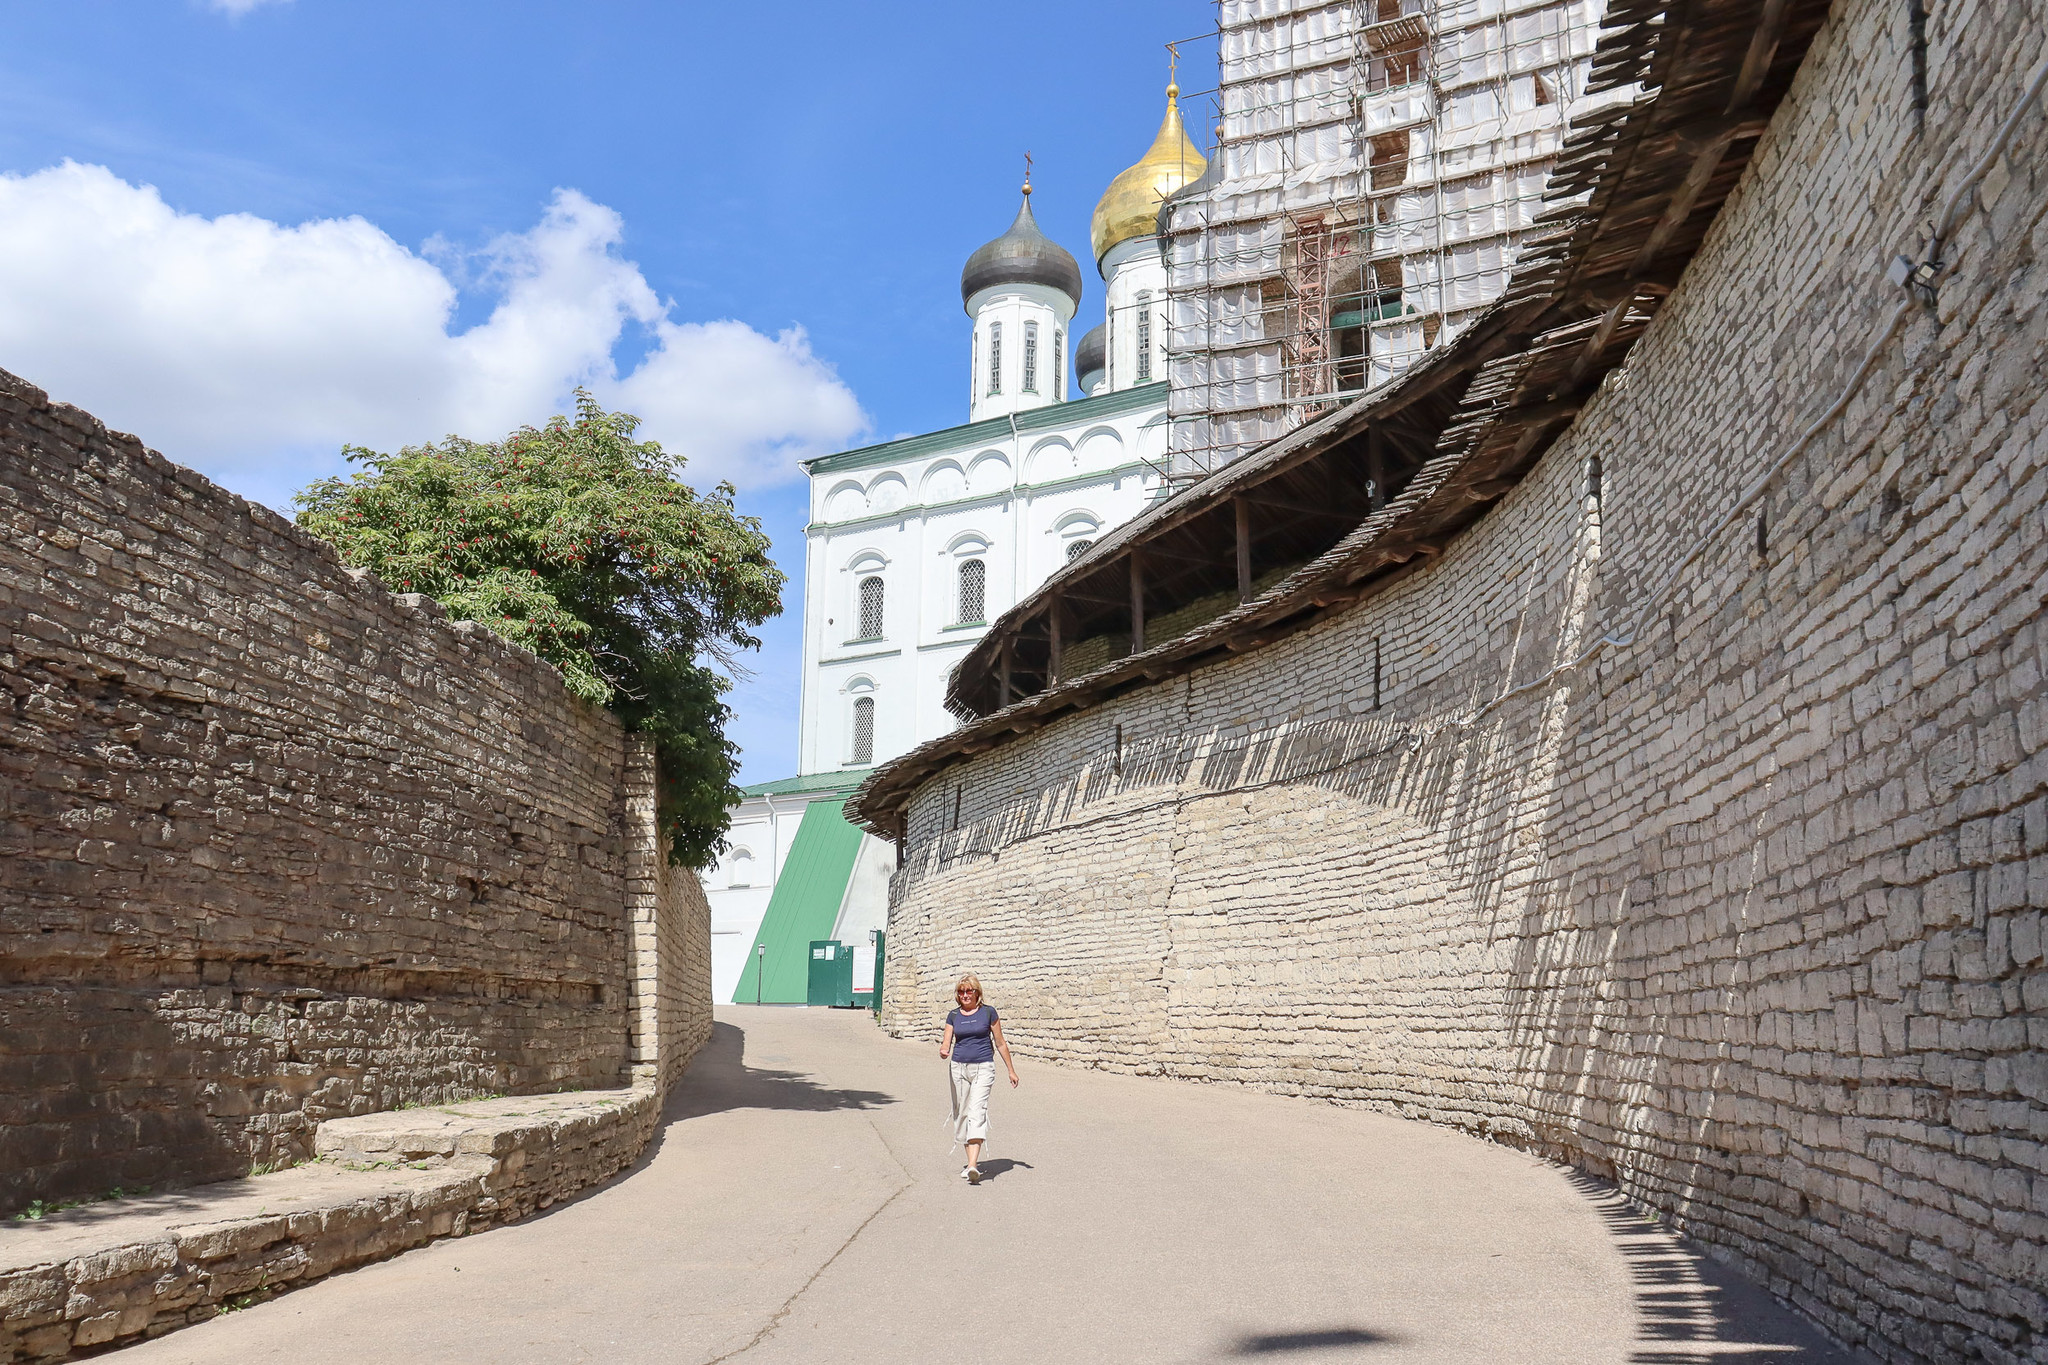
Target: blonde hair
x=969 y=982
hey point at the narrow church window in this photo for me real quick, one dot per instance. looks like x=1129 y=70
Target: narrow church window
x=1077 y=548
x=1059 y=365
x=864 y=730
x=1031 y=357
x=973 y=591
x=1144 y=335
x=870 y=609
x=995 y=357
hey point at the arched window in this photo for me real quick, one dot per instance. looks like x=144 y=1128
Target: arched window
x=863 y=730
x=1031 y=357
x=973 y=592
x=1077 y=548
x=740 y=869
x=1144 y=335
x=1059 y=365
x=995 y=358
x=870 y=608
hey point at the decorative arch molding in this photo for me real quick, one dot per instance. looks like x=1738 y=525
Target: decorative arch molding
x=969 y=543
x=989 y=472
x=1052 y=458
x=888 y=492
x=859 y=685
x=866 y=560
x=1151 y=443
x=1099 y=447
x=945 y=481
x=846 y=502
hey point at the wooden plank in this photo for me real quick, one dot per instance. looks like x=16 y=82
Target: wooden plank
x=1244 y=549
x=1137 y=600
x=1052 y=620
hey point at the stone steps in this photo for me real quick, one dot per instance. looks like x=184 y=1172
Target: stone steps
x=382 y=1183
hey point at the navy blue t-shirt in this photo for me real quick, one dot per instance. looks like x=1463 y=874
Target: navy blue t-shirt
x=970 y=1035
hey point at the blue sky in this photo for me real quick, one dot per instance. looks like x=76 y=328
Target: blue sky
x=297 y=222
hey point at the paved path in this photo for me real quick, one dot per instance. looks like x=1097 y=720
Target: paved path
x=800 y=1206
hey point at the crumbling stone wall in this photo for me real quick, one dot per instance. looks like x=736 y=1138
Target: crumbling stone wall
x=278 y=845
x=1747 y=914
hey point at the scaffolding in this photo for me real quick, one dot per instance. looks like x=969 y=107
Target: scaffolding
x=1375 y=164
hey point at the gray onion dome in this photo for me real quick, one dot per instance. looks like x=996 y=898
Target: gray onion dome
x=1090 y=356
x=1023 y=255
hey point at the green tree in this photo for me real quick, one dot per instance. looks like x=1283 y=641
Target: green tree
x=581 y=544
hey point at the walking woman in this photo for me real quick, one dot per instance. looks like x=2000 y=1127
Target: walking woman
x=973 y=1036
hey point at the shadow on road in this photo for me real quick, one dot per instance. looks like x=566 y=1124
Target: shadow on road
x=1691 y=1309
x=996 y=1165
x=1282 y=1343
x=719 y=1080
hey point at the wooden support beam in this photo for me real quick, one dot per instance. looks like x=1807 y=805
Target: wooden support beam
x=1704 y=163
x=1008 y=658
x=1539 y=414
x=1052 y=625
x=1158 y=551
x=1299 y=509
x=1244 y=549
x=1137 y=602
x=1763 y=46
x=1597 y=343
x=1376 y=463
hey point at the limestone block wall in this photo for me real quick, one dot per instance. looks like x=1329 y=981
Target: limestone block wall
x=1746 y=915
x=279 y=845
x=670 y=921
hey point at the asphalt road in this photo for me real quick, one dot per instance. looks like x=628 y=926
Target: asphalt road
x=801 y=1205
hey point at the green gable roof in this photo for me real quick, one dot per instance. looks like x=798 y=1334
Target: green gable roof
x=993 y=429
x=804 y=907
x=843 y=781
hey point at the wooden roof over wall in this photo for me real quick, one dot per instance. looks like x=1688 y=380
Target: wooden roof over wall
x=1635 y=188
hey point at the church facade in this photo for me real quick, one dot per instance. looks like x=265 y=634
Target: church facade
x=915 y=544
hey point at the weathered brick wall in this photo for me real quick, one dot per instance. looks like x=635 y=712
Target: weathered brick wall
x=277 y=845
x=1747 y=914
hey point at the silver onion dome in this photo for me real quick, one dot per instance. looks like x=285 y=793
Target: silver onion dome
x=1090 y=356
x=1023 y=255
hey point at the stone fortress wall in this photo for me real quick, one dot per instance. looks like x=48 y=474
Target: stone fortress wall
x=278 y=845
x=1746 y=915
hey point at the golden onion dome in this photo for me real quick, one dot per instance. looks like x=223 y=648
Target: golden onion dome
x=1130 y=206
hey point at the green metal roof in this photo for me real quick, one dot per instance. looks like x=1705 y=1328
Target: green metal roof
x=993 y=428
x=844 y=780
x=804 y=907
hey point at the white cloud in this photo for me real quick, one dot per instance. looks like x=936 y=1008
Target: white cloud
x=232 y=343
x=235 y=9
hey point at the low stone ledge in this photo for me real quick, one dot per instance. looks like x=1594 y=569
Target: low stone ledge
x=139 y=1267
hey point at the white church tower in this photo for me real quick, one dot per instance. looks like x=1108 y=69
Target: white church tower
x=1021 y=290
x=1130 y=348
x=916 y=544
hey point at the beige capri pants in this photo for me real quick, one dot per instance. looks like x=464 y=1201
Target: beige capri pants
x=972 y=1082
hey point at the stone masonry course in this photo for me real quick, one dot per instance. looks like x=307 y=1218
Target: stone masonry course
x=1746 y=915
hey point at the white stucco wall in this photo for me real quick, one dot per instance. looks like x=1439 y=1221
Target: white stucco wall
x=1013 y=493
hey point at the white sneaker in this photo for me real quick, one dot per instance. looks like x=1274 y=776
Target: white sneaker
x=964 y=1175
x=974 y=1175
